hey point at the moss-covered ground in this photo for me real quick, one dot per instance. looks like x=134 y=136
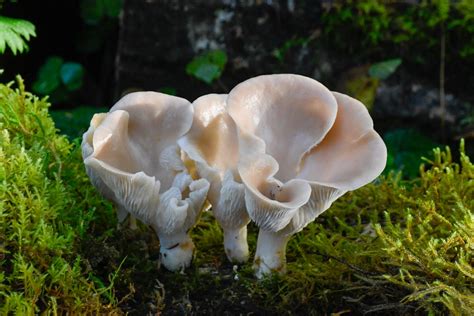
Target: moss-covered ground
x=391 y=247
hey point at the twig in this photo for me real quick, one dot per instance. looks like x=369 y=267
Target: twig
x=349 y=265
x=385 y=307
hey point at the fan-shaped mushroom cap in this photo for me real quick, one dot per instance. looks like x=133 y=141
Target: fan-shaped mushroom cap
x=136 y=157
x=301 y=147
x=87 y=150
x=270 y=203
x=294 y=129
x=156 y=121
x=212 y=141
x=212 y=144
x=290 y=113
x=280 y=118
x=351 y=155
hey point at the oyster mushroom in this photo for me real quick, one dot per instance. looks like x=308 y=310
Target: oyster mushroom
x=301 y=147
x=87 y=150
x=132 y=157
x=213 y=146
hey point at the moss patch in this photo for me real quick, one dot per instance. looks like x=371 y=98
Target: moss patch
x=46 y=205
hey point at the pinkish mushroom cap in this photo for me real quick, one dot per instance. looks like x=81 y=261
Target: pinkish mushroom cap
x=301 y=147
x=132 y=156
x=212 y=144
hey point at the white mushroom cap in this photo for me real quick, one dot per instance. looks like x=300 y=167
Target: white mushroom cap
x=130 y=141
x=87 y=150
x=280 y=118
x=270 y=202
x=136 y=158
x=295 y=133
x=290 y=113
x=212 y=143
x=156 y=121
x=351 y=155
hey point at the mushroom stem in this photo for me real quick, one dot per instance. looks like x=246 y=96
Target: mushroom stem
x=235 y=244
x=132 y=222
x=176 y=250
x=270 y=256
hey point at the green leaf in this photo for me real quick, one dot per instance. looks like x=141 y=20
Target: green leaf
x=364 y=89
x=59 y=95
x=72 y=75
x=14 y=33
x=92 y=11
x=218 y=57
x=384 y=69
x=168 y=90
x=112 y=8
x=48 y=78
x=207 y=67
x=207 y=72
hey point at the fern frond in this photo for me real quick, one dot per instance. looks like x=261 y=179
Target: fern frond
x=14 y=33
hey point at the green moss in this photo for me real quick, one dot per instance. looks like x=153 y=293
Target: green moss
x=368 y=25
x=46 y=204
x=390 y=247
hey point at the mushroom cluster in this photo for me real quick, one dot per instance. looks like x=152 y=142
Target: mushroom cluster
x=278 y=150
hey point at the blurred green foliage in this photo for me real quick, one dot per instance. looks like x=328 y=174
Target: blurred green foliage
x=362 y=82
x=382 y=70
x=94 y=11
x=468 y=120
x=58 y=78
x=207 y=67
x=48 y=78
x=280 y=53
x=74 y=122
x=168 y=90
x=72 y=75
x=405 y=148
x=99 y=24
x=370 y=26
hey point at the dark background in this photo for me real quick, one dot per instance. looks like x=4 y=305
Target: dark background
x=148 y=46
